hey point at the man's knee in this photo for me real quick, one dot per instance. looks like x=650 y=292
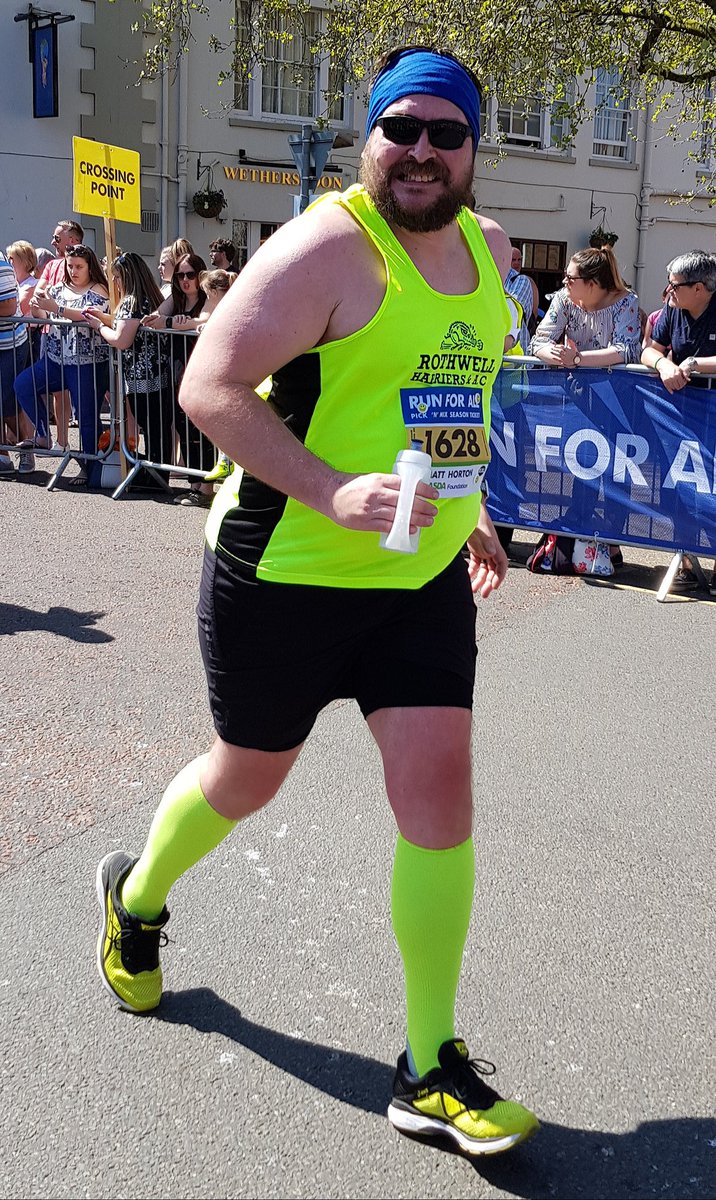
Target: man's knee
x=238 y=781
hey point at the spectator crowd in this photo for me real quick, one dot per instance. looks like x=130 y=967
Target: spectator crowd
x=55 y=371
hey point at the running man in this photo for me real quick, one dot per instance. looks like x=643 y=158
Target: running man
x=380 y=316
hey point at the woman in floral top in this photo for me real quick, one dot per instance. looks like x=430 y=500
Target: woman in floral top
x=75 y=359
x=146 y=362
x=594 y=320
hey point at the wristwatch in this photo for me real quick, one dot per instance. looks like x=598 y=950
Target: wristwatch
x=688 y=364
x=577 y=359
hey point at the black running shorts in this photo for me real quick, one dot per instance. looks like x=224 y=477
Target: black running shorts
x=275 y=654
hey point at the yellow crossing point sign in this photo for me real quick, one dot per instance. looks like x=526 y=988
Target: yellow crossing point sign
x=106 y=181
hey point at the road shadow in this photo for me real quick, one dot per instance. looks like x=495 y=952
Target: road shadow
x=670 y=1158
x=65 y=622
x=351 y=1078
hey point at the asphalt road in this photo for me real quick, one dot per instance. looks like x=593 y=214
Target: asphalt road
x=589 y=972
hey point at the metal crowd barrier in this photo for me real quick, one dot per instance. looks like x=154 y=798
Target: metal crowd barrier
x=132 y=429
x=124 y=405
x=39 y=389
x=156 y=437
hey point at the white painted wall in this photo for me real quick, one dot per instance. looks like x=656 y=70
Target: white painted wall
x=532 y=194
x=36 y=155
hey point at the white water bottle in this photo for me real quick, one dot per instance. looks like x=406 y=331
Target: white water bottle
x=414 y=467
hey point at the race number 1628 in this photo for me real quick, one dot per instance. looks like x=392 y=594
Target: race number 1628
x=448 y=443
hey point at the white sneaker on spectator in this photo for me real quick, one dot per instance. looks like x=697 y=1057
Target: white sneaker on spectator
x=37 y=443
x=7 y=467
x=25 y=462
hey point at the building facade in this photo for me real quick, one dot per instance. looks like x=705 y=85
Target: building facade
x=193 y=134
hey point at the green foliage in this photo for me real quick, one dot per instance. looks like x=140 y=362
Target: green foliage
x=664 y=50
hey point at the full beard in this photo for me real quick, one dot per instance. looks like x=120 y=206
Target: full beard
x=435 y=215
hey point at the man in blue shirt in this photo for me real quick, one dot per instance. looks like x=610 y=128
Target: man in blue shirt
x=687 y=323
x=525 y=292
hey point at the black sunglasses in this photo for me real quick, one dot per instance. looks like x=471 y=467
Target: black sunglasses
x=185 y=274
x=406 y=131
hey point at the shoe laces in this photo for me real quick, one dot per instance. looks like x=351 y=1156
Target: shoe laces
x=469 y=1088
x=139 y=948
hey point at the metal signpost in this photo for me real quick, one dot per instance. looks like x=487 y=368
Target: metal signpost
x=310 y=150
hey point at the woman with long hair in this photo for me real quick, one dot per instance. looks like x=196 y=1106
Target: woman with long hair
x=75 y=359
x=146 y=364
x=593 y=321
x=180 y=312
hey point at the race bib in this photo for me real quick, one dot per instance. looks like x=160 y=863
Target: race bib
x=448 y=424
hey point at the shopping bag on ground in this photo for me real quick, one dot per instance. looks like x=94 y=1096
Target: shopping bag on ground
x=552 y=555
x=590 y=557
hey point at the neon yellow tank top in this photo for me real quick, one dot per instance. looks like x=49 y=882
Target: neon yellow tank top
x=419 y=373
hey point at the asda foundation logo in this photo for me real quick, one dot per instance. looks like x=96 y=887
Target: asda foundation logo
x=461 y=336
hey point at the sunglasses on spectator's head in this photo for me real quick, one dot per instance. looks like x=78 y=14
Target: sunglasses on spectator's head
x=186 y=274
x=406 y=131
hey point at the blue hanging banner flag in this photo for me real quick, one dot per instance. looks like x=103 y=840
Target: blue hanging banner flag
x=604 y=454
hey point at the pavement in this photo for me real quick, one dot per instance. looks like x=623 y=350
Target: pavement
x=266 y=1072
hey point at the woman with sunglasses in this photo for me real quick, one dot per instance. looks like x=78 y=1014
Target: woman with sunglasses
x=181 y=311
x=593 y=321
x=75 y=359
x=146 y=363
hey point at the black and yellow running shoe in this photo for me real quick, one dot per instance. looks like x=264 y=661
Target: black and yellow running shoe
x=453 y=1100
x=127 y=947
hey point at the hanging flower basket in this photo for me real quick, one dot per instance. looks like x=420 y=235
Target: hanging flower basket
x=602 y=237
x=208 y=203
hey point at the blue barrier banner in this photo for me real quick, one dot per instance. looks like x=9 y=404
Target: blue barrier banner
x=605 y=454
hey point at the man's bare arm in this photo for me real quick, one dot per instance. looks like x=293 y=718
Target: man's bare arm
x=281 y=306
x=498 y=244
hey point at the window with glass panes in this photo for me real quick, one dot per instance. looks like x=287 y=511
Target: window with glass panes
x=529 y=122
x=289 y=77
x=612 y=118
x=544 y=262
x=521 y=122
x=291 y=81
x=707 y=143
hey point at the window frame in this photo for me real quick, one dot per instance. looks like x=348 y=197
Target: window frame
x=622 y=108
x=494 y=136
x=706 y=155
x=253 y=88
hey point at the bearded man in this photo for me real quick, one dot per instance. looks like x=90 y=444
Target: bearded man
x=379 y=315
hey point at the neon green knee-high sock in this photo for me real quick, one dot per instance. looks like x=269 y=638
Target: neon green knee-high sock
x=431 y=905
x=185 y=828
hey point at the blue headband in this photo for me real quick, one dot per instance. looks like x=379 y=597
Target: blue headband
x=423 y=73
